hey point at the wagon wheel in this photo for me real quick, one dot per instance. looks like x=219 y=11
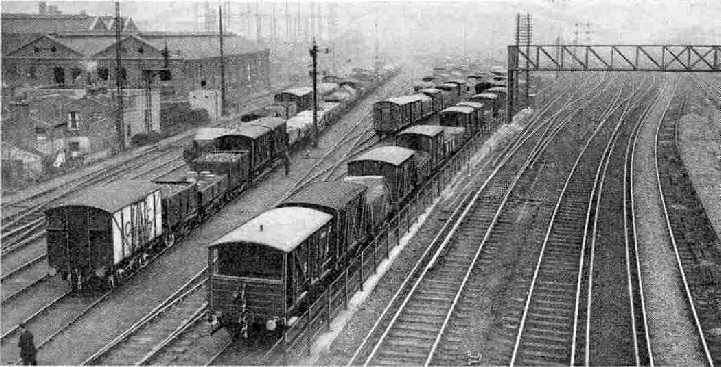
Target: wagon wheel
x=170 y=240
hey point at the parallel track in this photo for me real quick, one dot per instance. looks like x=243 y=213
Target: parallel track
x=694 y=240
x=414 y=330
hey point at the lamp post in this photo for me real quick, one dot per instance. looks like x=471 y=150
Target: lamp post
x=314 y=74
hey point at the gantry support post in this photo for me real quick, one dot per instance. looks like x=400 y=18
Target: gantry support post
x=512 y=82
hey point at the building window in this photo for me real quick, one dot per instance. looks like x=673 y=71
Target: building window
x=53 y=49
x=36 y=49
x=41 y=133
x=32 y=72
x=74 y=148
x=75 y=73
x=140 y=50
x=73 y=120
x=128 y=131
x=103 y=73
x=203 y=83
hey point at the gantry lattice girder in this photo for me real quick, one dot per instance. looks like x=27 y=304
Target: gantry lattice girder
x=662 y=58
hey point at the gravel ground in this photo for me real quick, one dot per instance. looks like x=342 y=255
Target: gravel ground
x=673 y=338
x=168 y=273
x=700 y=146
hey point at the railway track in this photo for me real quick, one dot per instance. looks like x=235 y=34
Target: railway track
x=692 y=236
x=27 y=223
x=415 y=331
x=151 y=325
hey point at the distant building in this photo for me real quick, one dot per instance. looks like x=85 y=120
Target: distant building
x=78 y=50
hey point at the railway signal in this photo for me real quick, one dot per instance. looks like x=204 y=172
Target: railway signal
x=314 y=75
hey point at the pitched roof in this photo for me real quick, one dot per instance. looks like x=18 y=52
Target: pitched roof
x=201 y=46
x=46 y=23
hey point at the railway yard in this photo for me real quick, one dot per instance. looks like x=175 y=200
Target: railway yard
x=585 y=231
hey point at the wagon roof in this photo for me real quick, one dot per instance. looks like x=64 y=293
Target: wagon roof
x=250 y=130
x=269 y=122
x=476 y=105
x=334 y=195
x=111 y=197
x=457 y=81
x=497 y=89
x=389 y=154
x=430 y=90
x=421 y=97
x=300 y=91
x=405 y=99
x=283 y=228
x=446 y=85
x=210 y=133
x=486 y=96
x=428 y=130
x=450 y=131
x=460 y=109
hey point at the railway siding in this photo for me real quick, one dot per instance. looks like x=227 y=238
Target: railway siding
x=160 y=279
x=673 y=337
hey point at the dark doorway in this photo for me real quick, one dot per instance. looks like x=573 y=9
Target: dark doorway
x=59 y=75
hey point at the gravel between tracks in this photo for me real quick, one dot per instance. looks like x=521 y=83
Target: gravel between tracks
x=700 y=147
x=673 y=338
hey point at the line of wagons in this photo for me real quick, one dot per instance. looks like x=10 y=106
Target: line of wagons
x=264 y=274
x=99 y=236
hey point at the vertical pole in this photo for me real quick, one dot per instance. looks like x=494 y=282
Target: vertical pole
x=512 y=69
x=222 y=62
x=258 y=23
x=314 y=56
x=514 y=82
x=528 y=51
x=119 y=128
x=558 y=56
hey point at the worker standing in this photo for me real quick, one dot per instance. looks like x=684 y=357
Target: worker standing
x=28 y=353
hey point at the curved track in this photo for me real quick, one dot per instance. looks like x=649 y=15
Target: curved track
x=694 y=240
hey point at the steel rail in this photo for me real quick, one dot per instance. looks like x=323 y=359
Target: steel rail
x=183 y=291
x=596 y=195
x=548 y=232
x=630 y=232
x=468 y=195
x=687 y=290
x=456 y=223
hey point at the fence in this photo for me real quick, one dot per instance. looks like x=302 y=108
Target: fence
x=298 y=339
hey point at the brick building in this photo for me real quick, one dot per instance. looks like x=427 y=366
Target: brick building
x=77 y=50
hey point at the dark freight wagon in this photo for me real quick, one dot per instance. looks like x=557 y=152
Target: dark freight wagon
x=424 y=138
x=345 y=201
x=459 y=116
x=105 y=231
x=396 y=164
x=302 y=97
x=264 y=273
x=477 y=118
x=256 y=140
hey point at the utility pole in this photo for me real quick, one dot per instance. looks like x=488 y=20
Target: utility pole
x=314 y=75
x=119 y=128
x=222 y=64
x=258 y=23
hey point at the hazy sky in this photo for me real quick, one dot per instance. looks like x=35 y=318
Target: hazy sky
x=443 y=24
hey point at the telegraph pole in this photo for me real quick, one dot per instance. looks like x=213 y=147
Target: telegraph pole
x=314 y=74
x=119 y=128
x=222 y=64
